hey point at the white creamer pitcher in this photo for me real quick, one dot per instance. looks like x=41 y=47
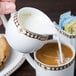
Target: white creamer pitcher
x=28 y=29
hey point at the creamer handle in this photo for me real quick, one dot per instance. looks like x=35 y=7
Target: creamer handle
x=4 y=19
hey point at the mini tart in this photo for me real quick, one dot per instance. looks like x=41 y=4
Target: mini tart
x=4 y=51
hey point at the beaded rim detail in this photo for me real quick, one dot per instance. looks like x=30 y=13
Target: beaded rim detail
x=64 y=33
x=29 y=33
x=16 y=67
x=56 y=68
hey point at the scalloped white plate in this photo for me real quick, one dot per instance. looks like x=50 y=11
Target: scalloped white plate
x=15 y=60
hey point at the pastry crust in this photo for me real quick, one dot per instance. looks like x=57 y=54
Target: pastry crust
x=4 y=51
